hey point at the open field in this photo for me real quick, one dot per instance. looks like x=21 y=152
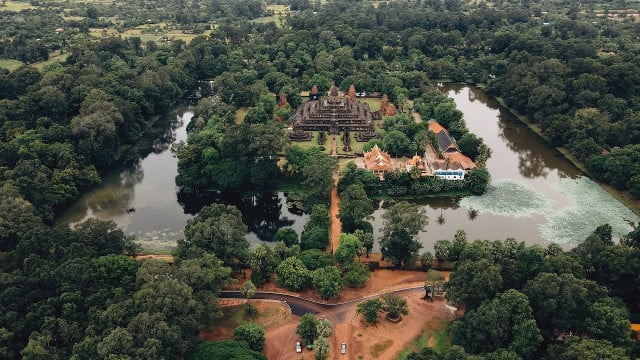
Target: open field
x=53 y=57
x=16 y=6
x=279 y=11
x=240 y=114
x=10 y=64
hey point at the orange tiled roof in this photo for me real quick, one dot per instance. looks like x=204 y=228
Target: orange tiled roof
x=435 y=126
x=377 y=160
x=460 y=158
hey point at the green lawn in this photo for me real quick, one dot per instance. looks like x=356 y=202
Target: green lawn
x=374 y=103
x=435 y=334
x=16 y=6
x=10 y=64
x=240 y=114
x=53 y=57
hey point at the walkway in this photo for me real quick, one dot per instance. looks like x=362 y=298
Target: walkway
x=334 y=210
x=334 y=147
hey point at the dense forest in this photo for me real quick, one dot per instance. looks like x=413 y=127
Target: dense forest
x=570 y=68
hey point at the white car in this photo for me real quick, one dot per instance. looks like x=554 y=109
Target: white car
x=343 y=348
x=298 y=347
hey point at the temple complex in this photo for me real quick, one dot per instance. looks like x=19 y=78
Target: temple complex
x=334 y=113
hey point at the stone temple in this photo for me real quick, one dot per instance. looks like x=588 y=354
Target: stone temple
x=334 y=113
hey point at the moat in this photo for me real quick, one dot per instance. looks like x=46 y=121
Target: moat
x=536 y=195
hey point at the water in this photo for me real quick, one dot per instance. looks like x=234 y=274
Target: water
x=536 y=195
x=149 y=187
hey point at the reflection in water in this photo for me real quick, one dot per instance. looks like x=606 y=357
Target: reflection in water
x=531 y=164
x=147 y=184
x=263 y=214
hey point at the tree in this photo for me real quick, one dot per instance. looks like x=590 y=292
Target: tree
x=366 y=238
x=292 y=274
x=561 y=301
x=402 y=222
x=458 y=245
x=316 y=230
x=443 y=250
x=587 y=349
x=252 y=334
x=478 y=180
x=433 y=283
x=287 y=235
x=504 y=322
x=327 y=282
x=321 y=348
x=263 y=261
x=308 y=328
x=355 y=274
x=314 y=259
x=355 y=207
x=608 y=319
x=350 y=247
x=318 y=175
x=426 y=261
x=473 y=282
x=470 y=144
x=370 y=309
x=205 y=273
x=226 y=349
x=394 y=305
x=17 y=216
x=396 y=143
x=314 y=238
x=325 y=328
x=218 y=228
x=248 y=290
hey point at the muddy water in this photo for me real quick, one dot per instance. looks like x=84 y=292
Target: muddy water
x=536 y=195
x=148 y=186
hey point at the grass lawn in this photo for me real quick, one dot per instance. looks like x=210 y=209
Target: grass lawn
x=53 y=57
x=314 y=142
x=240 y=114
x=10 y=64
x=435 y=334
x=16 y=6
x=374 y=103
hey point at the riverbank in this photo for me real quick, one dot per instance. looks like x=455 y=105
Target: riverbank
x=622 y=196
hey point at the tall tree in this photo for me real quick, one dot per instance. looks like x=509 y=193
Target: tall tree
x=355 y=207
x=252 y=334
x=394 y=305
x=370 y=309
x=327 y=282
x=402 y=222
x=218 y=228
x=473 y=282
x=308 y=328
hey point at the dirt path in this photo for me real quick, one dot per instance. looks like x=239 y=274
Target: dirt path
x=336 y=225
x=416 y=115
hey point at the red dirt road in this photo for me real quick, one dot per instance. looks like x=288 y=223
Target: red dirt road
x=336 y=225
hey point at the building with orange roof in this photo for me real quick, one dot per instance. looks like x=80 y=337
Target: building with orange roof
x=455 y=164
x=416 y=162
x=378 y=161
x=462 y=159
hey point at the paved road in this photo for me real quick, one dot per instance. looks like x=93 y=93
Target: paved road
x=299 y=305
